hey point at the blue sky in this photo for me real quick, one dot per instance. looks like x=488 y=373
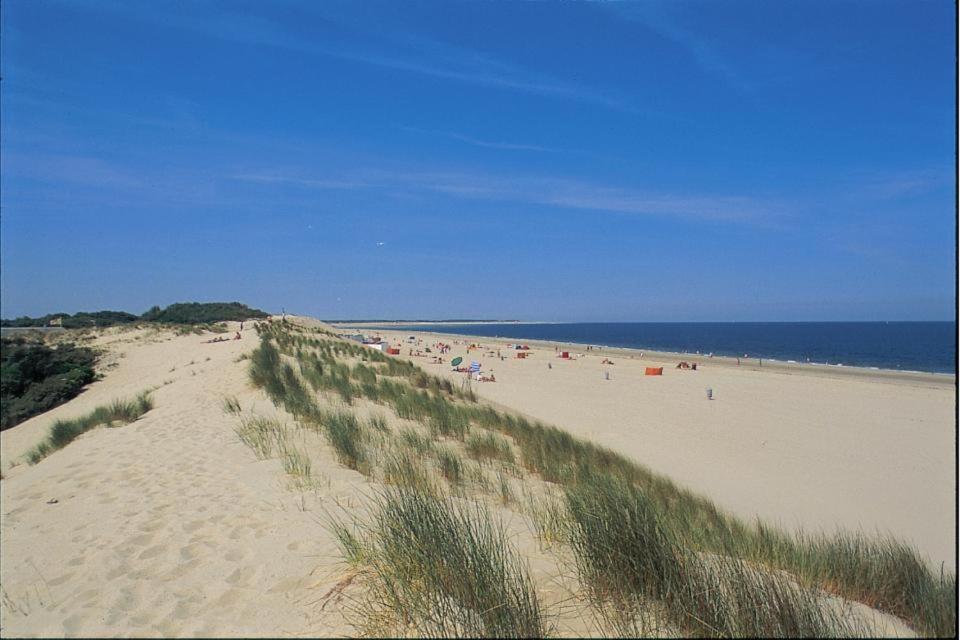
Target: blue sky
x=662 y=161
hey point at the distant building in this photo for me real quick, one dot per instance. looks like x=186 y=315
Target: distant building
x=56 y=322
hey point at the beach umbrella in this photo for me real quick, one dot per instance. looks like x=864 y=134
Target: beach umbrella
x=456 y=361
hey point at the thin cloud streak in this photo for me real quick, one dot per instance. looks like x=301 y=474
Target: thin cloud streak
x=553 y=192
x=508 y=146
x=654 y=17
x=75 y=170
x=464 y=66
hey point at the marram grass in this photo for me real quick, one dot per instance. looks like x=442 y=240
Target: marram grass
x=63 y=432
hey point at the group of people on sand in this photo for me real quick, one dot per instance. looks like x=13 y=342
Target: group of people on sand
x=236 y=336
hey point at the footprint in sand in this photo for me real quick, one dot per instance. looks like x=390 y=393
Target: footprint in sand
x=242 y=576
x=73 y=624
x=181 y=570
x=153 y=525
x=56 y=582
x=141 y=619
x=191 y=551
x=234 y=555
x=284 y=585
x=228 y=598
x=142 y=540
x=121 y=570
x=183 y=610
x=153 y=552
x=190 y=527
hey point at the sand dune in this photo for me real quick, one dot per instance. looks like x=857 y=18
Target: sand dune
x=170 y=526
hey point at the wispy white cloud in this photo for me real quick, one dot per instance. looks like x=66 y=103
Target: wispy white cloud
x=310 y=183
x=903 y=184
x=568 y=194
x=74 y=170
x=396 y=51
x=508 y=146
x=658 y=17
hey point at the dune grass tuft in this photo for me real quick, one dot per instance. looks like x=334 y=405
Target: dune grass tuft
x=627 y=556
x=230 y=405
x=408 y=470
x=487 y=446
x=444 y=569
x=346 y=435
x=63 y=432
x=261 y=434
x=296 y=463
x=450 y=465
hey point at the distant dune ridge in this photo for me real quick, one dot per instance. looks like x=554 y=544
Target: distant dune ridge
x=292 y=482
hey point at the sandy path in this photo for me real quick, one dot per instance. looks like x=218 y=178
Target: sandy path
x=817 y=451
x=168 y=526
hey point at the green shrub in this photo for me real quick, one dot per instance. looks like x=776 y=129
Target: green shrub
x=35 y=378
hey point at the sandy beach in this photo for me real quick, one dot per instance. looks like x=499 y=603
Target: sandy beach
x=804 y=446
x=171 y=526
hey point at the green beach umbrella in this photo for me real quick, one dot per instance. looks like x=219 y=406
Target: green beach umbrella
x=456 y=361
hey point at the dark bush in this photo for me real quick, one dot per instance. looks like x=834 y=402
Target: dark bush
x=35 y=378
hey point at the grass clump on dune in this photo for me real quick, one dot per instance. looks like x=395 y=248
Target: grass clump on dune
x=629 y=557
x=63 y=432
x=410 y=471
x=346 y=436
x=230 y=405
x=417 y=442
x=261 y=434
x=296 y=463
x=450 y=465
x=445 y=569
x=487 y=446
x=883 y=573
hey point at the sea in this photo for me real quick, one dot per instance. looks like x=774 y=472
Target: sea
x=905 y=346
